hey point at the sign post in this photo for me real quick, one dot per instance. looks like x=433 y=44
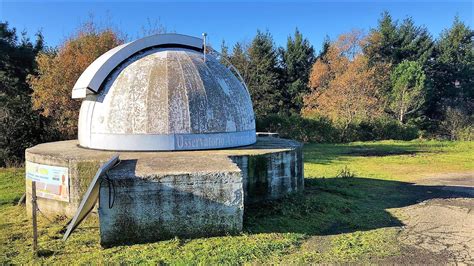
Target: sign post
x=34 y=208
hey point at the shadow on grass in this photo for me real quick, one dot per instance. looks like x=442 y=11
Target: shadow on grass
x=340 y=205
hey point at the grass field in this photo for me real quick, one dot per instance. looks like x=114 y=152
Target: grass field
x=340 y=217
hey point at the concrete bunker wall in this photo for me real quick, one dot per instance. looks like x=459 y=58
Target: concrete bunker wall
x=158 y=195
x=270 y=176
x=161 y=207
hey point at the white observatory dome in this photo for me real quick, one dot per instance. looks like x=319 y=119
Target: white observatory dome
x=162 y=93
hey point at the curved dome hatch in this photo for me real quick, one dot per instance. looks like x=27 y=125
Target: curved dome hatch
x=162 y=93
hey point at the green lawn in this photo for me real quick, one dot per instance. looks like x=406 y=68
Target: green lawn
x=338 y=218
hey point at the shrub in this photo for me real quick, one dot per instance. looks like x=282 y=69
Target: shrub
x=302 y=129
x=322 y=130
x=457 y=125
x=346 y=173
x=386 y=128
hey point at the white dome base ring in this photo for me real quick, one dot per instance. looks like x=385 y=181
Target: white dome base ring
x=160 y=142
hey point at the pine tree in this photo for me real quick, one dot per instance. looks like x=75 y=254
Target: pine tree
x=324 y=49
x=415 y=43
x=240 y=60
x=451 y=74
x=225 y=57
x=382 y=40
x=392 y=43
x=297 y=61
x=264 y=75
x=20 y=126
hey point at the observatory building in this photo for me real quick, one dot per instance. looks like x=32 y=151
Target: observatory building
x=182 y=123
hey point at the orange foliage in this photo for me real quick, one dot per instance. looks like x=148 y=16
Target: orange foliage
x=343 y=86
x=319 y=75
x=58 y=71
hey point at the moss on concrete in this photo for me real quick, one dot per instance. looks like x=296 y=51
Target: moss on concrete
x=257 y=176
x=85 y=173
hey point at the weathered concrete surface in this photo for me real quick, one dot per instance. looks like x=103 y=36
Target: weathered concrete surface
x=269 y=176
x=140 y=204
x=188 y=193
x=159 y=95
x=97 y=72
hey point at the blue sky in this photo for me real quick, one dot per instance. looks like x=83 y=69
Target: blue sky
x=232 y=21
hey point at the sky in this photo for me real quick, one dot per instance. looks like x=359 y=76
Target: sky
x=229 y=21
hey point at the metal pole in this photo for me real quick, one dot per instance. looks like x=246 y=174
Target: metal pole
x=34 y=207
x=22 y=199
x=204 y=35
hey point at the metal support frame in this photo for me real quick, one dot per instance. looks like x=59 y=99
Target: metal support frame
x=90 y=197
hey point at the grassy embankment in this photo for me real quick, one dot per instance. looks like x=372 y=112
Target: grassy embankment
x=336 y=219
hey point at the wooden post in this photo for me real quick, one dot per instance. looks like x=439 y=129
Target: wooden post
x=34 y=208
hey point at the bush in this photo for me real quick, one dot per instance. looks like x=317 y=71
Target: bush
x=458 y=124
x=302 y=129
x=20 y=128
x=322 y=130
x=385 y=128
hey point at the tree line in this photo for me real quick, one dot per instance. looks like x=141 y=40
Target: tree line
x=394 y=82
x=396 y=76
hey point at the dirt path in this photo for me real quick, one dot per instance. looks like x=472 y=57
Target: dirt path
x=441 y=229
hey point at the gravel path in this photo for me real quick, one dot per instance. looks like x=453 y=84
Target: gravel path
x=441 y=226
x=440 y=230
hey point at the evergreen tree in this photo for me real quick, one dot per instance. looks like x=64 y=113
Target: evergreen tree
x=392 y=43
x=264 y=75
x=380 y=51
x=451 y=73
x=20 y=126
x=225 y=57
x=382 y=41
x=324 y=49
x=415 y=43
x=240 y=60
x=297 y=60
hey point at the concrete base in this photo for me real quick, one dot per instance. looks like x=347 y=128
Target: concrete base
x=158 y=195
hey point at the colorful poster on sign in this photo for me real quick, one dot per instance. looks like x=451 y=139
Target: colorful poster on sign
x=52 y=182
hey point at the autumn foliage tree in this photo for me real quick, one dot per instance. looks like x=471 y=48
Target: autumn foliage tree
x=59 y=69
x=343 y=86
